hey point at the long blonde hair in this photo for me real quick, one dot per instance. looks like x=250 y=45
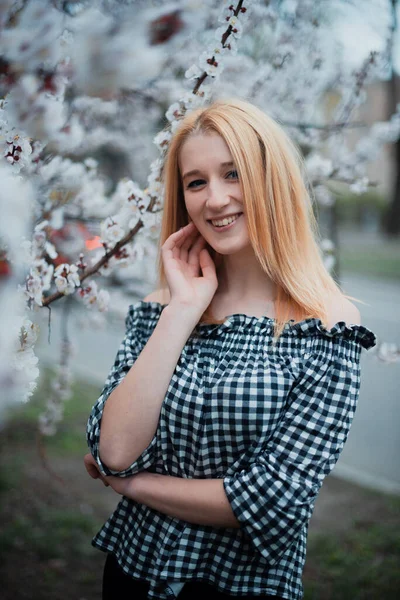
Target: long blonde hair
x=281 y=224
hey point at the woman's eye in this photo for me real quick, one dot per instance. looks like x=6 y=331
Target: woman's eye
x=196 y=183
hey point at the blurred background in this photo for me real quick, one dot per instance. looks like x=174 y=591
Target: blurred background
x=50 y=508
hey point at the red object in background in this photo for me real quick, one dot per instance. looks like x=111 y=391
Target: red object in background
x=165 y=27
x=5 y=268
x=93 y=243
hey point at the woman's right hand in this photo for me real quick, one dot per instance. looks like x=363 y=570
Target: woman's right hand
x=189 y=269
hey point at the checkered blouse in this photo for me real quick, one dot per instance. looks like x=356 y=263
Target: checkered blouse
x=270 y=421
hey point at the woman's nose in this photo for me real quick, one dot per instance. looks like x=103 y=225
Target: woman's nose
x=217 y=196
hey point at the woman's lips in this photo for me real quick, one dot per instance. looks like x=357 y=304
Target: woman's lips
x=226 y=227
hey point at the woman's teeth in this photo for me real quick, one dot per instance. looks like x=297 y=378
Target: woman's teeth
x=226 y=221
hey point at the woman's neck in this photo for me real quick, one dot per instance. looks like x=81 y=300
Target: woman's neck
x=241 y=278
x=243 y=288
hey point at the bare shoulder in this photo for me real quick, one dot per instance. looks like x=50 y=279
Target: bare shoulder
x=161 y=296
x=341 y=309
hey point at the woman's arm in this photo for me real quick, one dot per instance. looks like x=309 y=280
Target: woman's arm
x=132 y=411
x=199 y=501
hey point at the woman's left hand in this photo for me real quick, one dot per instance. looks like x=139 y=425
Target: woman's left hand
x=93 y=468
x=122 y=485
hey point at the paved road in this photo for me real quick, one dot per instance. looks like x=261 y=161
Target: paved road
x=371 y=455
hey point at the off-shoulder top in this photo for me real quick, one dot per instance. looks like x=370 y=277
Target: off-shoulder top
x=269 y=420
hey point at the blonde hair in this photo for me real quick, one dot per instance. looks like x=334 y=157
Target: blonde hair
x=281 y=224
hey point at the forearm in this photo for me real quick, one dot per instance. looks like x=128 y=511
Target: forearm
x=199 y=501
x=132 y=411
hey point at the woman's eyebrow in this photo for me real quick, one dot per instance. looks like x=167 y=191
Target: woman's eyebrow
x=197 y=172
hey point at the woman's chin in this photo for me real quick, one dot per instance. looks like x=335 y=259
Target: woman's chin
x=228 y=249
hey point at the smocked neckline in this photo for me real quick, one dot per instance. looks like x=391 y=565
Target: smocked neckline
x=306 y=327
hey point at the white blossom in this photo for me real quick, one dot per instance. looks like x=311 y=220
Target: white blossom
x=16 y=147
x=217 y=50
x=219 y=33
x=22 y=361
x=28 y=334
x=226 y=13
x=43 y=272
x=193 y=72
x=212 y=66
x=34 y=289
x=103 y=300
x=93 y=297
x=95 y=257
x=318 y=167
x=162 y=139
x=323 y=196
x=360 y=186
x=237 y=27
x=174 y=112
x=50 y=250
x=66 y=278
x=388 y=352
x=192 y=101
x=25 y=366
x=151 y=222
x=327 y=245
x=112 y=230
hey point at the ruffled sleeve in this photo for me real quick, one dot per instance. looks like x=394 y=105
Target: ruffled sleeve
x=361 y=336
x=273 y=498
x=140 y=322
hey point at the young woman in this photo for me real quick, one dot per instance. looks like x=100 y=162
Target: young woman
x=233 y=391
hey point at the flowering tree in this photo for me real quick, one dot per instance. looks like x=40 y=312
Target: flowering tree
x=85 y=87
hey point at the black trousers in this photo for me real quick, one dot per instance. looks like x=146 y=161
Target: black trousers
x=117 y=585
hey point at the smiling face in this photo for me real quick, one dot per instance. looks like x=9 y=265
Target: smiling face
x=212 y=192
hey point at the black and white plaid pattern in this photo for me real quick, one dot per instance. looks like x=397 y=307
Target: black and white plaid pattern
x=269 y=420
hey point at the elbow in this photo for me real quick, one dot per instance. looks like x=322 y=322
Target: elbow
x=112 y=458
